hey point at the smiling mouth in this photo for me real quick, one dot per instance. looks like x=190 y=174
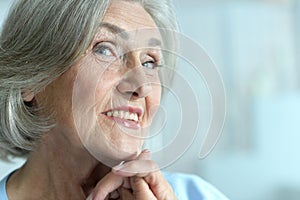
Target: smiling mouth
x=128 y=117
x=123 y=115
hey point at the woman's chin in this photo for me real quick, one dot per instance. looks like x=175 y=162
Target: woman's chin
x=113 y=156
x=127 y=154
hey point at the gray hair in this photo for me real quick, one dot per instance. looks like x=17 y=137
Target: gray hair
x=40 y=40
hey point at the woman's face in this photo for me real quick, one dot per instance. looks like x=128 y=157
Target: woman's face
x=106 y=101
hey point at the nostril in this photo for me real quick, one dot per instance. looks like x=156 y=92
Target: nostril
x=128 y=88
x=135 y=94
x=132 y=94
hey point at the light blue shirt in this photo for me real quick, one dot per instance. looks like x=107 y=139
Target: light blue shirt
x=186 y=187
x=3 y=195
x=192 y=187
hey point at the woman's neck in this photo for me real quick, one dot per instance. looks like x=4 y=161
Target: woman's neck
x=56 y=170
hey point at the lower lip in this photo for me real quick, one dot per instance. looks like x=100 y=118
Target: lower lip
x=126 y=123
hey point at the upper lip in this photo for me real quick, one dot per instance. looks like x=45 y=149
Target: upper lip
x=132 y=109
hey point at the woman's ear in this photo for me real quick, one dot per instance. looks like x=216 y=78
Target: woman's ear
x=27 y=96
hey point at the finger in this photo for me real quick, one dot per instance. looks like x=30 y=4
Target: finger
x=155 y=178
x=126 y=183
x=105 y=186
x=159 y=186
x=141 y=189
x=126 y=194
x=144 y=155
x=138 y=168
x=114 y=195
x=135 y=167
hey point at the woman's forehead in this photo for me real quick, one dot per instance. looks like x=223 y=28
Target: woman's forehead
x=140 y=38
x=129 y=22
x=128 y=16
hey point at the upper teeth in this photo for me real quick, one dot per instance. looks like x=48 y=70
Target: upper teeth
x=123 y=115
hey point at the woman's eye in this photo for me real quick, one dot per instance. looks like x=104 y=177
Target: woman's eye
x=104 y=49
x=151 y=60
x=150 y=64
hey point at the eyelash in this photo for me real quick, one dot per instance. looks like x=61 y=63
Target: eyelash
x=105 y=46
x=153 y=61
x=110 y=46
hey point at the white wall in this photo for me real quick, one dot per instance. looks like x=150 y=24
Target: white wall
x=4 y=6
x=253 y=44
x=6 y=167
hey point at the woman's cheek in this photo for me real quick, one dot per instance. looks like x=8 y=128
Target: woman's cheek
x=152 y=106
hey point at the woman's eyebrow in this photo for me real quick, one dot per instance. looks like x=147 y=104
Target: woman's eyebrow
x=153 y=42
x=115 y=29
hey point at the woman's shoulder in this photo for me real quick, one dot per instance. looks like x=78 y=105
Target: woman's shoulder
x=192 y=187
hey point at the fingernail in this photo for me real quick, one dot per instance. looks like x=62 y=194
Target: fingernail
x=146 y=151
x=147 y=154
x=119 y=166
x=90 y=197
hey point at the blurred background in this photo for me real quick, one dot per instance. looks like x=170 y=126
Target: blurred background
x=255 y=45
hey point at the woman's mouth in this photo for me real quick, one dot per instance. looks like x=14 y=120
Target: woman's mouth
x=123 y=115
x=129 y=117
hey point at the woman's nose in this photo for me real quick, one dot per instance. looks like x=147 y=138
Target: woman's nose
x=134 y=84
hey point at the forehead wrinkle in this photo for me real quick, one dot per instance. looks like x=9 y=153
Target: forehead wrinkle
x=115 y=29
x=130 y=25
x=130 y=13
x=152 y=42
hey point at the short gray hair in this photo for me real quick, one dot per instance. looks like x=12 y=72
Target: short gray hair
x=40 y=40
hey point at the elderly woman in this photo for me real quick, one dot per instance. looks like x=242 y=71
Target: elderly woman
x=78 y=83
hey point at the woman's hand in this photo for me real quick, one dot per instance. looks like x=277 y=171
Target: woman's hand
x=138 y=179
